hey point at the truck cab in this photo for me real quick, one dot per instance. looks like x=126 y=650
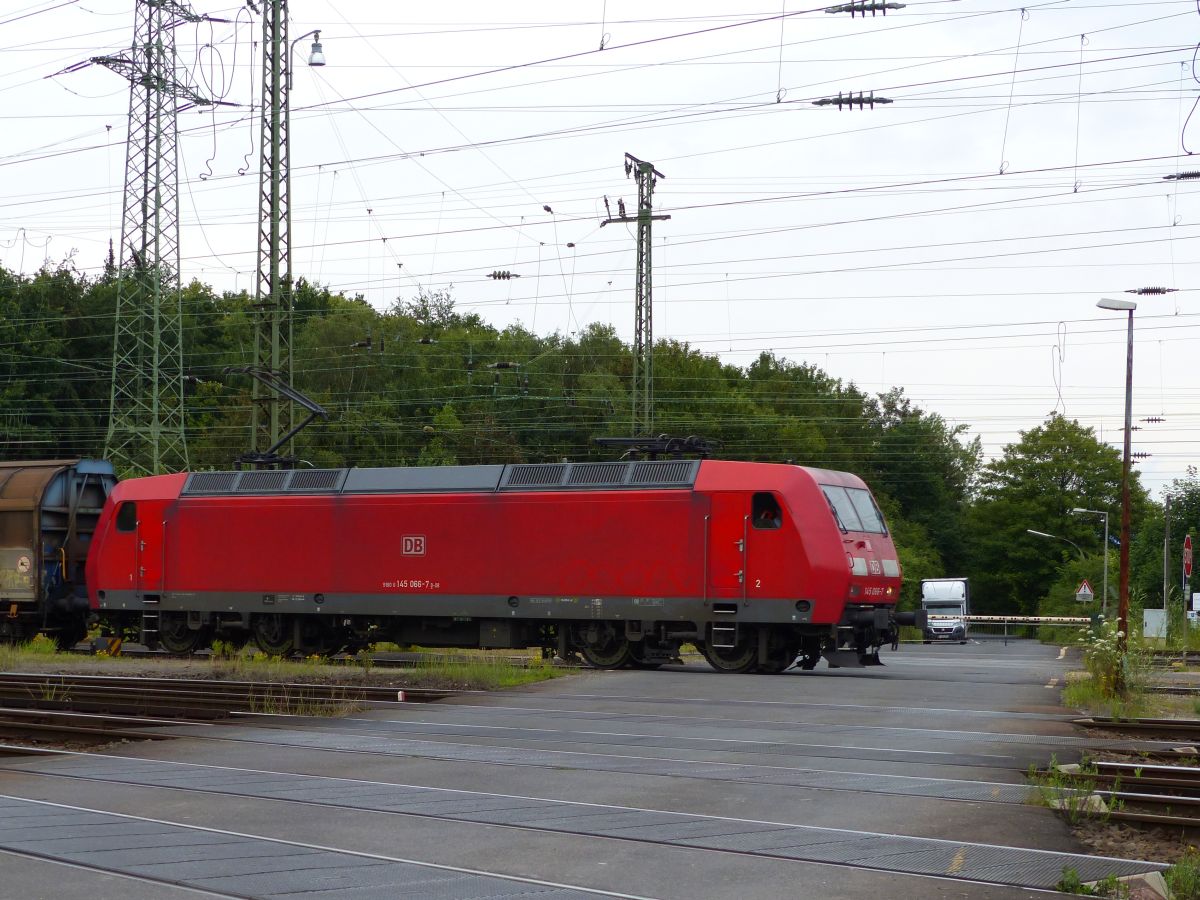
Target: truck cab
x=946 y=602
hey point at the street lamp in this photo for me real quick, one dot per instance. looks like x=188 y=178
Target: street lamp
x=1123 y=578
x=316 y=54
x=1100 y=512
x=1057 y=538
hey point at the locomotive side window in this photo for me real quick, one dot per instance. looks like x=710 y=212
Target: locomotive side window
x=765 y=511
x=868 y=512
x=843 y=509
x=127 y=517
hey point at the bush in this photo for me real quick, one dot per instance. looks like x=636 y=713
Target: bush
x=1114 y=674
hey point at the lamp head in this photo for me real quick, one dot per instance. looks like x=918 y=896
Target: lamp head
x=1038 y=533
x=317 y=56
x=1119 y=305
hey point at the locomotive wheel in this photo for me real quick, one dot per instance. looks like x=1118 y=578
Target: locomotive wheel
x=732 y=660
x=613 y=653
x=176 y=637
x=273 y=633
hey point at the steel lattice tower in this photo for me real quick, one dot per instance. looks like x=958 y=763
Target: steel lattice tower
x=271 y=415
x=146 y=427
x=643 y=326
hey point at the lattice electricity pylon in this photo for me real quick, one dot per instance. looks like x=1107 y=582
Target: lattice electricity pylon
x=271 y=413
x=146 y=426
x=643 y=326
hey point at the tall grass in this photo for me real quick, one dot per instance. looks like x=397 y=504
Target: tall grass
x=464 y=670
x=14 y=656
x=1115 y=682
x=487 y=673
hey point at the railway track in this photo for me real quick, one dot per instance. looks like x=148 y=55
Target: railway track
x=44 y=708
x=1146 y=727
x=1147 y=794
x=41 y=726
x=388 y=660
x=1187 y=657
x=196 y=699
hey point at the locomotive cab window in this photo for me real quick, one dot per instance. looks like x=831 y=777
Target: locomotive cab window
x=843 y=509
x=127 y=517
x=765 y=511
x=868 y=512
x=854 y=509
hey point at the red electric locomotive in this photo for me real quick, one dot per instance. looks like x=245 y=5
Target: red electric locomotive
x=756 y=564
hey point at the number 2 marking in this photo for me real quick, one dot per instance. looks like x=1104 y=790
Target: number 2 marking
x=758 y=582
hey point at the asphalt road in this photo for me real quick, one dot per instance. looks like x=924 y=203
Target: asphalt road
x=900 y=781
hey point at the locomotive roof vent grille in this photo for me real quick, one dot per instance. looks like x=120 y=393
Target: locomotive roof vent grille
x=535 y=475
x=210 y=482
x=604 y=473
x=316 y=480
x=666 y=472
x=265 y=482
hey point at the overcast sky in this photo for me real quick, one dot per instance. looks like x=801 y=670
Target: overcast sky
x=884 y=245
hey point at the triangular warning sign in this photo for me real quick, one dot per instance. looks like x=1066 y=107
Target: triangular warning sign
x=1084 y=592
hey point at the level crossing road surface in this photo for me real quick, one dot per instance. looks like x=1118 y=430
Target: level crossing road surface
x=900 y=781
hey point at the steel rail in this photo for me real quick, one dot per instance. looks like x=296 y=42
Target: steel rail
x=198 y=688
x=1186 y=728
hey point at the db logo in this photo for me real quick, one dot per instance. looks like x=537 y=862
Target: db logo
x=412 y=545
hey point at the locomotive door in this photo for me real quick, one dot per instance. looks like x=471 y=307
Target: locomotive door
x=149 y=552
x=727 y=542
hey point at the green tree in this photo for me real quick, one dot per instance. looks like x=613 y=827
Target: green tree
x=1146 y=552
x=1053 y=468
x=923 y=464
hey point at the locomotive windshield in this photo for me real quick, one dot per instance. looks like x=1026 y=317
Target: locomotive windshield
x=854 y=509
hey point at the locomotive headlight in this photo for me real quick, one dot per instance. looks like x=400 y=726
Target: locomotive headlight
x=888 y=592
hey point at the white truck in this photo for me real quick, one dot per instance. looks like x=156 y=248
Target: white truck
x=947 y=603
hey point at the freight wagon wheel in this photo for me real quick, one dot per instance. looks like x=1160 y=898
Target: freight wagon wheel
x=273 y=633
x=176 y=637
x=732 y=660
x=70 y=634
x=613 y=653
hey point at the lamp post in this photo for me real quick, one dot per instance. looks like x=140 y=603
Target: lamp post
x=316 y=54
x=1057 y=538
x=1100 y=512
x=1123 y=578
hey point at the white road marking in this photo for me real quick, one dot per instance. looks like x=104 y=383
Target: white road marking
x=341 y=850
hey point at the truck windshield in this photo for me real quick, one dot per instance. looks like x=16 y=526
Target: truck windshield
x=854 y=508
